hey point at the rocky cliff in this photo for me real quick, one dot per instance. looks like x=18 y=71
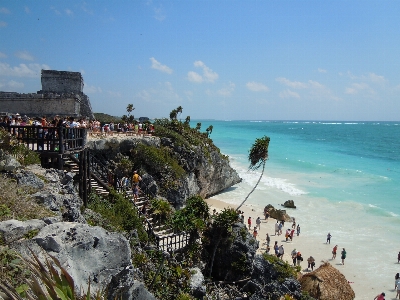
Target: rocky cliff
x=206 y=171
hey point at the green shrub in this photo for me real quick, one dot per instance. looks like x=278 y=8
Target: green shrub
x=283 y=269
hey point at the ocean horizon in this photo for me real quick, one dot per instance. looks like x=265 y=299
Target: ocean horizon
x=342 y=175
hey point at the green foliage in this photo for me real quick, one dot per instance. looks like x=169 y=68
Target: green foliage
x=258 y=153
x=160 y=163
x=12 y=268
x=22 y=154
x=161 y=208
x=105 y=118
x=240 y=265
x=193 y=216
x=283 y=269
x=119 y=212
x=4 y=210
x=173 y=279
x=31 y=234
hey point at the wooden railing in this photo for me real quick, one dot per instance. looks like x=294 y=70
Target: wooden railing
x=50 y=139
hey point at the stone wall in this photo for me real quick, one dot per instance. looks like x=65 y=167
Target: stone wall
x=61 y=94
x=62 y=81
x=37 y=105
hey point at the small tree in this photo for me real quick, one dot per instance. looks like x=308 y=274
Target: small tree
x=258 y=156
x=198 y=126
x=129 y=109
x=187 y=120
x=173 y=114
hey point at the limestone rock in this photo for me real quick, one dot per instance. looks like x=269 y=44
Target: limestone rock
x=85 y=251
x=197 y=285
x=9 y=163
x=289 y=204
x=278 y=214
x=28 y=178
x=13 y=230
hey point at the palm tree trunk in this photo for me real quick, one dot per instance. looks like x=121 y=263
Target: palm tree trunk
x=259 y=179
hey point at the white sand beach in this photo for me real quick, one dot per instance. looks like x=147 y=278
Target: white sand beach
x=362 y=283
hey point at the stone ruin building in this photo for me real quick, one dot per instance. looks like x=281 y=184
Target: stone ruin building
x=61 y=94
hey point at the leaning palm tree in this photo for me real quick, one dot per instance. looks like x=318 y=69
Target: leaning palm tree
x=258 y=156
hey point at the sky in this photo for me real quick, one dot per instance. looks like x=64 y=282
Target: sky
x=224 y=60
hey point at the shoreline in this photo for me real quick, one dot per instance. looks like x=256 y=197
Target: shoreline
x=362 y=284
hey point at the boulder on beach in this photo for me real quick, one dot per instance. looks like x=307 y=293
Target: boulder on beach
x=278 y=214
x=327 y=283
x=289 y=204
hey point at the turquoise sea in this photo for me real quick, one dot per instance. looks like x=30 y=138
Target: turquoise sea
x=343 y=176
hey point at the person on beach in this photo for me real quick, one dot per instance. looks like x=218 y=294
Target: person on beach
x=287 y=234
x=281 y=252
x=294 y=256
x=396 y=280
x=266 y=215
x=249 y=222
x=299 y=258
x=381 y=296
x=334 y=252
x=294 y=223
x=328 y=238
x=242 y=218
x=276 y=248
x=276 y=228
x=343 y=255
x=268 y=239
x=258 y=223
x=280 y=226
x=398 y=257
x=298 y=229
x=291 y=235
x=255 y=233
x=311 y=263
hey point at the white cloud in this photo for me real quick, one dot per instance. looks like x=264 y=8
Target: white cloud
x=25 y=55
x=159 y=13
x=4 y=10
x=321 y=70
x=91 y=89
x=376 y=78
x=289 y=94
x=158 y=66
x=292 y=84
x=257 y=87
x=3 y=55
x=227 y=90
x=194 y=77
x=69 y=12
x=3 y=24
x=359 y=87
x=315 y=84
x=55 y=10
x=208 y=74
x=22 y=70
x=11 y=86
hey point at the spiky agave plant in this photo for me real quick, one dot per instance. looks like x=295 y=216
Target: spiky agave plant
x=48 y=282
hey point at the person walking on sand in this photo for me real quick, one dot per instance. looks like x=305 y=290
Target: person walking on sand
x=280 y=228
x=291 y=235
x=328 y=238
x=381 y=296
x=276 y=249
x=281 y=252
x=298 y=229
x=294 y=223
x=398 y=257
x=299 y=258
x=258 y=223
x=255 y=233
x=266 y=215
x=294 y=256
x=311 y=263
x=268 y=239
x=396 y=280
x=249 y=222
x=276 y=228
x=334 y=252
x=343 y=255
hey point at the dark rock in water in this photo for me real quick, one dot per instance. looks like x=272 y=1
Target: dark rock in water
x=289 y=204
